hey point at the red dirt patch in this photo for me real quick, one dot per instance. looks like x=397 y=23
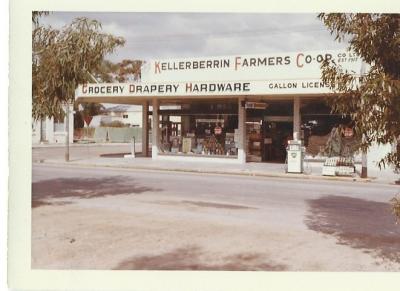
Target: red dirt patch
x=358 y=223
x=189 y=259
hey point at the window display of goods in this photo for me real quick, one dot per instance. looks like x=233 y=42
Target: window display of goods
x=316 y=144
x=204 y=139
x=230 y=146
x=254 y=139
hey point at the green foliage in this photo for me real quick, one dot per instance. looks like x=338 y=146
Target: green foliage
x=63 y=59
x=396 y=207
x=371 y=99
x=87 y=111
x=91 y=109
x=36 y=15
x=119 y=72
x=338 y=145
x=106 y=71
x=127 y=68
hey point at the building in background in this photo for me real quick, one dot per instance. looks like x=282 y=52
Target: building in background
x=52 y=131
x=129 y=115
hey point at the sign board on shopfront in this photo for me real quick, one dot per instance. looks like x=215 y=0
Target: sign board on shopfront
x=182 y=89
x=269 y=74
x=299 y=65
x=255 y=105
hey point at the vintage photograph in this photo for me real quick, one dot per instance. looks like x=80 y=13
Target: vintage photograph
x=215 y=141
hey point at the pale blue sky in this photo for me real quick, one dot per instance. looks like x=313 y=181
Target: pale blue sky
x=173 y=35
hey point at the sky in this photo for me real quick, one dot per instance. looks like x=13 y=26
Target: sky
x=175 y=35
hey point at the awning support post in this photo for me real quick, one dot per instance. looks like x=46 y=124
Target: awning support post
x=155 y=129
x=145 y=129
x=242 y=131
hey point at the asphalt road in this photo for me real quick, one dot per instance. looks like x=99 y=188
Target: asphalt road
x=101 y=218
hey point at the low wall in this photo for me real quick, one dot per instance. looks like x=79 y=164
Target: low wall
x=117 y=134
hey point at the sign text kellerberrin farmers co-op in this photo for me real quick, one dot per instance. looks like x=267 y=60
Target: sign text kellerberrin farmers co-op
x=291 y=73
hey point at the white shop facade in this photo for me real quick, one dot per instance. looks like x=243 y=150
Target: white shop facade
x=233 y=109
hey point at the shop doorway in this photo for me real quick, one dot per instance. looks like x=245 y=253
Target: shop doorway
x=267 y=140
x=276 y=136
x=268 y=130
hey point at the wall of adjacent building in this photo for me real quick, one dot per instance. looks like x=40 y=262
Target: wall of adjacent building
x=133 y=118
x=375 y=154
x=53 y=134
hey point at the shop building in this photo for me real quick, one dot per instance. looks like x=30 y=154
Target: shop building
x=233 y=109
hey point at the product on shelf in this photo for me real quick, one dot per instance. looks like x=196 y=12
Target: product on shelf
x=254 y=141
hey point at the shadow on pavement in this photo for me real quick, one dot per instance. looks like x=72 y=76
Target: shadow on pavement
x=203 y=204
x=216 y=205
x=117 y=155
x=358 y=223
x=120 y=155
x=44 y=191
x=189 y=258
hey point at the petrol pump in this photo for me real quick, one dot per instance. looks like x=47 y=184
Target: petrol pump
x=295 y=155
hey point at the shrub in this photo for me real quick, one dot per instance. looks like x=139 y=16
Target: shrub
x=115 y=123
x=396 y=207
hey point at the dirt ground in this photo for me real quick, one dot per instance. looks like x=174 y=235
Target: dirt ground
x=143 y=221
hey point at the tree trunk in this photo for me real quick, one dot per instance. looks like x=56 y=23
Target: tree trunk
x=364 y=168
x=364 y=162
x=67 y=134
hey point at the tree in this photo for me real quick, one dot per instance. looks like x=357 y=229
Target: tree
x=371 y=99
x=63 y=59
x=89 y=110
x=396 y=207
x=129 y=68
x=106 y=72
x=126 y=70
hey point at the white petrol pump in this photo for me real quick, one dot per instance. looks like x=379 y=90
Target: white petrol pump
x=295 y=155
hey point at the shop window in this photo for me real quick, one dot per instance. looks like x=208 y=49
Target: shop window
x=197 y=131
x=329 y=135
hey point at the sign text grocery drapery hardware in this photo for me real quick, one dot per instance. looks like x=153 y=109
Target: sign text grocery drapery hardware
x=259 y=87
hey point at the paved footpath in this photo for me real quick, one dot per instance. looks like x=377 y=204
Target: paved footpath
x=106 y=218
x=112 y=155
